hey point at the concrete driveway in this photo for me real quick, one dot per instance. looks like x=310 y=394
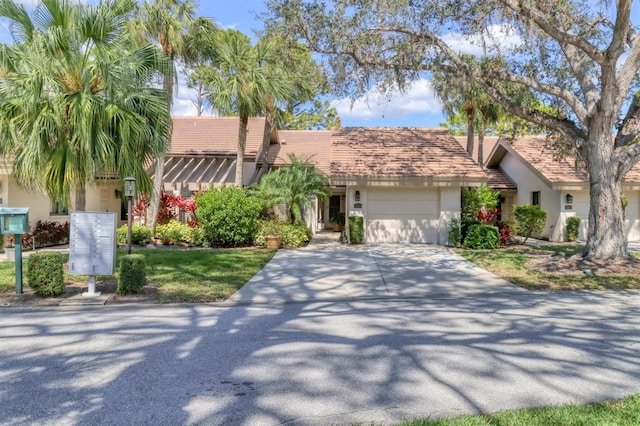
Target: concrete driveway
x=393 y=271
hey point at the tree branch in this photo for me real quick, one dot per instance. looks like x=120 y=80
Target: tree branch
x=567 y=96
x=524 y=8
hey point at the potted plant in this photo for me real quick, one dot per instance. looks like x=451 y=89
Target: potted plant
x=337 y=221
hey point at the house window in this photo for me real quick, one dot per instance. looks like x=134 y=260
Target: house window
x=535 y=198
x=58 y=208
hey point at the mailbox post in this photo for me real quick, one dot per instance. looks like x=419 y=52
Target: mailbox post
x=15 y=220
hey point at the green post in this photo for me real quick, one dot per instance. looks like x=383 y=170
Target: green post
x=18 y=239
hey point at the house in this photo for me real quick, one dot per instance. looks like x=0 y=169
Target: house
x=404 y=182
x=560 y=187
x=104 y=195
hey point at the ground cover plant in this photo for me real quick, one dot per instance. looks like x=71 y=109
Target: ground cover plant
x=625 y=412
x=555 y=267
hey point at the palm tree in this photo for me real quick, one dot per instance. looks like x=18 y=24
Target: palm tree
x=246 y=81
x=77 y=97
x=200 y=43
x=165 y=22
x=294 y=184
x=460 y=95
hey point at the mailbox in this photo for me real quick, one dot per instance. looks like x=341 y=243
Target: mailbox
x=14 y=220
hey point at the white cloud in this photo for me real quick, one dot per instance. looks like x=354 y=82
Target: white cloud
x=496 y=36
x=418 y=99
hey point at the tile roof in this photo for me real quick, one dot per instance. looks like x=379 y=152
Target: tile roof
x=214 y=136
x=499 y=180
x=400 y=152
x=533 y=150
x=315 y=144
x=488 y=143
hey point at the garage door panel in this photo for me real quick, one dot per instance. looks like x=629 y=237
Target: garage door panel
x=402 y=215
x=399 y=208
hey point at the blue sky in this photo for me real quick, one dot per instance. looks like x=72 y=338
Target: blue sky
x=417 y=108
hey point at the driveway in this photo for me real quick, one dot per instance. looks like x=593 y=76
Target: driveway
x=393 y=271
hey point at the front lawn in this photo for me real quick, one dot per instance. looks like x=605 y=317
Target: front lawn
x=625 y=412
x=553 y=267
x=190 y=275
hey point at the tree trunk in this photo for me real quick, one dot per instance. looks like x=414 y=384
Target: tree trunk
x=607 y=238
x=470 y=130
x=80 y=199
x=242 y=141
x=158 y=177
x=481 y=146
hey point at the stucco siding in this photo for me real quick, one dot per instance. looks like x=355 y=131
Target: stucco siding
x=632 y=215
x=528 y=182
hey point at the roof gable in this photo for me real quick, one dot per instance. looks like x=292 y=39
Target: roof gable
x=312 y=144
x=533 y=152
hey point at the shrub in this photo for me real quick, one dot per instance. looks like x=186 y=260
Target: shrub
x=45 y=273
x=473 y=200
x=133 y=274
x=139 y=235
x=173 y=232
x=195 y=236
x=482 y=237
x=465 y=224
x=264 y=228
x=291 y=234
x=505 y=233
x=530 y=220
x=356 y=229
x=455 y=232
x=228 y=216
x=294 y=234
x=573 y=228
x=46 y=233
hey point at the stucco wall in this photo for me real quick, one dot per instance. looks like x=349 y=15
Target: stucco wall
x=100 y=197
x=529 y=182
x=450 y=205
x=579 y=208
x=632 y=214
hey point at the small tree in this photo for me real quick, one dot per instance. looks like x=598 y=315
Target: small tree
x=476 y=199
x=294 y=184
x=530 y=220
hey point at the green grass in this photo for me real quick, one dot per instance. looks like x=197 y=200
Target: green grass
x=202 y=275
x=193 y=275
x=513 y=264
x=625 y=412
x=7 y=276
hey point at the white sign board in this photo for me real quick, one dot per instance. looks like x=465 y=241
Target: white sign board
x=92 y=243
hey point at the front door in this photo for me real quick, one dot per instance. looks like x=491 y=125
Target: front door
x=334 y=206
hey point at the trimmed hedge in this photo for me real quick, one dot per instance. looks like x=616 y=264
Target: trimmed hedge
x=133 y=274
x=482 y=237
x=356 y=229
x=45 y=273
x=573 y=228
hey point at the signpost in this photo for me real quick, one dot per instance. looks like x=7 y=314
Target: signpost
x=15 y=220
x=92 y=246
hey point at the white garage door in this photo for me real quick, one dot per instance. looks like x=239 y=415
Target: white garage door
x=397 y=215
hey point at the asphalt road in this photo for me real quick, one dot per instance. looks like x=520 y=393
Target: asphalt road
x=321 y=362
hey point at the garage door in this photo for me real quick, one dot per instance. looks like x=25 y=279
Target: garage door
x=397 y=215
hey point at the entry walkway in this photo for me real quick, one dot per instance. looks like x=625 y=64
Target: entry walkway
x=328 y=270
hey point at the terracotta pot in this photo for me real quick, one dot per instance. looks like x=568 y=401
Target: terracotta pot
x=273 y=241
